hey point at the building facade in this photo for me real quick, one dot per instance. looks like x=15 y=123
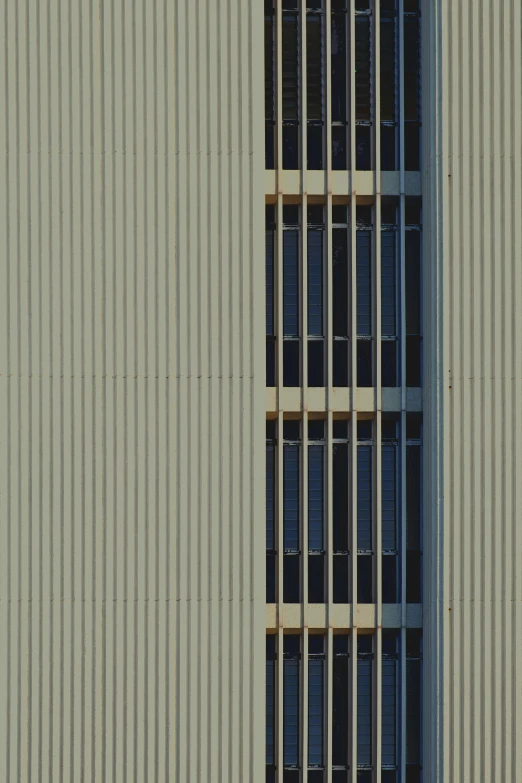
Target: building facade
x=230 y=555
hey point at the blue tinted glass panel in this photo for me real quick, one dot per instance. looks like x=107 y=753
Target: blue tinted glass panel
x=270 y=711
x=315 y=712
x=291 y=496
x=364 y=712
x=315 y=498
x=388 y=284
x=364 y=497
x=269 y=271
x=389 y=496
x=291 y=282
x=291 y=712
x=389 y=713
x=315 y=283
x=364 y=290
x=270 y=495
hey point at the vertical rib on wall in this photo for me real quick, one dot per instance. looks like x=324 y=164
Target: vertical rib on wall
x=473 y=393
x=132 y=391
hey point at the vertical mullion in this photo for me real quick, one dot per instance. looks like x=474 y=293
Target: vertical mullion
x=304 y=708
x=280 y=550
x=279 y=701
x=278 y=38
x=353 y=405
x=378 y=383
x=279 y=286
x=402 y=310
x=304 y=597
x=304 y=209
x=329 y=702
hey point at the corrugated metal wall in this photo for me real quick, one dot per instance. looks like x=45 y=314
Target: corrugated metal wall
x=132 y=391
x=473 y=394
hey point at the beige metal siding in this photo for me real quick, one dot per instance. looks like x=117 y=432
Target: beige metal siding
x=132 y=391
x=473 y=390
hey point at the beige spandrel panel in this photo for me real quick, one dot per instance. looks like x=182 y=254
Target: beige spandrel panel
x=472 y=120
x=132 y=391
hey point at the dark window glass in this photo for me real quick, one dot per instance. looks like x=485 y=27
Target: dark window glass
x=413 y=523
x=340 y=702
x=316 y=578
x=316 y=429
x=270 y=361
x=413 y=282
x=315 y=282
x=389 y=63
x=291 y=363
x=390 y=699
x=389 y=358
x=269 y=268
x=290 y=704
x=291 y=282
x=315 y=710
x=270 y=700
x=269 y=87
x=364 y=283
x=340 y=578
x=270 y=578
x=364 y=709
x=339 y=85
x=314 y=84
x=364 y=579
x=316 y=363
x=340 y=362
x=270 y=495
x=390 y=477
x=364 y=363
x=363 y=81
x=412 y=104
x=363 y=150
x=291 y=458
x=315 y=498
x=291 y=578
x=290 y=84
x=340 y=283
x=364 y=497
x=340 y=497
x=413 y=709
x=389 y=283
x=413 y=361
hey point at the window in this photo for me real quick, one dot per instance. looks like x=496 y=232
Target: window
x=390 y=705
x=364 y=296
x=291 y=84
x=390 y=508
x=412 y=102
x=363 y=86
x=291 y=717
x=413 y=705
x=291 y=511
x=314 y=84
x=364 y=702
x=340 y=482
x=316 y=511
x=271 y=658
x=269 y=295
x=291 y=256
x=270 y=511
x=315 y=277
x=413 y=508
x=413 y=292
x=339 y=82
x=269 y=85
x=389 y=293
x=389 y=73
x=316 y=701
x=341 y=294
x=364 y=512
x=340 y=704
